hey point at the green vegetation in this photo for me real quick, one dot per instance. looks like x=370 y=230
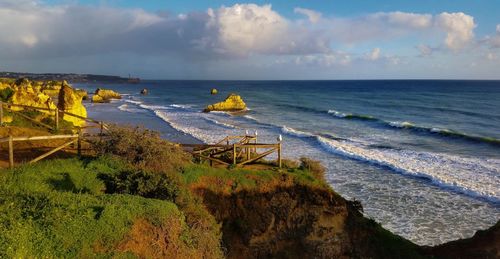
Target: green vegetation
x=141 y=196
x=58 y=209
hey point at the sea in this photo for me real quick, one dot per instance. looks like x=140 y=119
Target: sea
x=422 y=156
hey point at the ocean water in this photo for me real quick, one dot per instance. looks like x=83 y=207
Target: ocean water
x=423 y=157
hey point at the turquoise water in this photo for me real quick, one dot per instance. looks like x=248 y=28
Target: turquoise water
x=422 y=156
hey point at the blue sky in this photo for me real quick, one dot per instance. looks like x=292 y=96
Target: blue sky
x=254 y=40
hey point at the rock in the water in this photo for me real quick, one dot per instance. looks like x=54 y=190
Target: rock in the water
x=104 y=95
x=232 y=103
x=144 y=91
x=70 y=101
x=213 y=91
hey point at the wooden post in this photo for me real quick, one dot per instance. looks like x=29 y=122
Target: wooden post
x=57 y=119
x=234 y=154
x=279 y=155
x=11 y=152
x=1 y=113
x=102 y=127
x=79 y=142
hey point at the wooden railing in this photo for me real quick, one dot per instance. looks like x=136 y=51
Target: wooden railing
x=57 y=113
x=242 y=152
x=74 y=139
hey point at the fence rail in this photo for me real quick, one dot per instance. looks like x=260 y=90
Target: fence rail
x=244 y=151
x=58 y=113
x=74 y=139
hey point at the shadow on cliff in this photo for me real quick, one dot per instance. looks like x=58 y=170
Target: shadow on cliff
x=300 y=222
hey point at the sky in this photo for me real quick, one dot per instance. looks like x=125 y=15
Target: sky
x=259 y=40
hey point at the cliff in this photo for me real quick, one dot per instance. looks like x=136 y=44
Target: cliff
x=43 y=94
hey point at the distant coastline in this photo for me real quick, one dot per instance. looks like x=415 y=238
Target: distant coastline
x=73 y=78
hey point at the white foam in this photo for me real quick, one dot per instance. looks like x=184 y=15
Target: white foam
x=126 y=108
x=296 y=133
x=472 y=176
x=132 y=101
x=401 y=124
x=337 y=113
x=182 y=106
x=231 y=126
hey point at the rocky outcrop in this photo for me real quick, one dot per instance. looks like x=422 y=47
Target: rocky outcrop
x=484 y=244
x=70 y=101
x=213 y=91
x=300 y=222
x=232 y=103
x=105 y=95
x=26 y=94
x=41 y=94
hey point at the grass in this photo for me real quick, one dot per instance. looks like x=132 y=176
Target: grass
x=239 y=179
x=59 y=208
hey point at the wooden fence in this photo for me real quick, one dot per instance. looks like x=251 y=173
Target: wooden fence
x=56 y=113
x=74 y=139
x=244 y=151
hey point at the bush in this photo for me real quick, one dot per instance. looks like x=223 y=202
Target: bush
x=289 y=164
x=313 y=166
x=5 y=94
x=144 y=149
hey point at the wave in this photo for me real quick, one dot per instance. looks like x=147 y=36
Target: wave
x=219 y=123
x=126 y=108
x=410 y=126
x=352 y=115
x=471 y=176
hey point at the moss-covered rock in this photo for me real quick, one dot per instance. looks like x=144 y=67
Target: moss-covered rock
x=70 y=101
x=233 y=102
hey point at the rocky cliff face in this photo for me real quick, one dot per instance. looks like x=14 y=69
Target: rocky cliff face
x=42 y=94
x=300 y=222
x=70 y=101
x=233 y=102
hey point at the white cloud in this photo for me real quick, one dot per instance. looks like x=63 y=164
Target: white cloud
x=458 y=27
x=425 y=50
x=244 y=28
x=38 y=31
x=373 y=55
x=312 y=15
x=407 y=20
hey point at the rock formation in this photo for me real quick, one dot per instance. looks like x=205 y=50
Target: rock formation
x=232 y=103
x=105 y=95
x=41 y=94
x=70 y=101
x=26 y=94
x=213 y=91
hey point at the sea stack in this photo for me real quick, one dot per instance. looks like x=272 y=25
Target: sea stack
x=105 y=95
x=232 y=103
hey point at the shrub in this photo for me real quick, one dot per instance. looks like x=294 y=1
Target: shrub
x=313 y=166
x=5 y=94
x=144 y=149
x=289 y=164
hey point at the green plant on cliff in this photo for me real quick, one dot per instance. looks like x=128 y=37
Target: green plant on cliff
x=5 y=94
x=58 y=209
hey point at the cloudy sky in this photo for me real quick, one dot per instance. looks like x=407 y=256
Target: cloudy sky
x=167 y=39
